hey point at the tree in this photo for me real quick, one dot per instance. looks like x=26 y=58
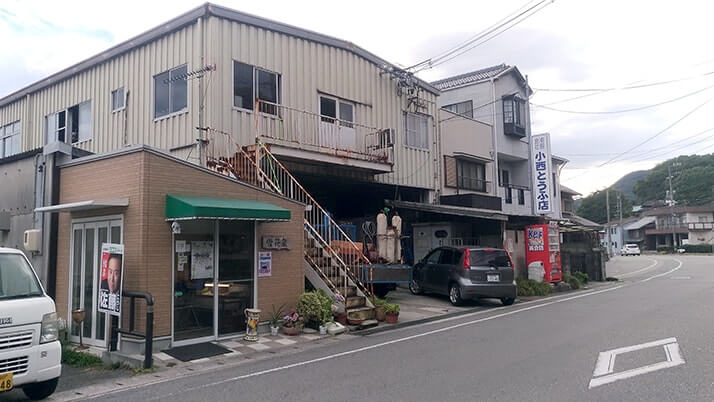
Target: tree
x=692 y=180
x=593 y=207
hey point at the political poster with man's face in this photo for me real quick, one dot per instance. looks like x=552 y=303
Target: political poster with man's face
x=111 y=276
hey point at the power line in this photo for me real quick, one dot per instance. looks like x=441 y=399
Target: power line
x=526 y=14
x=483 y=36
x=624 y=110
x=659 y=133
x=646 y=140
x=624 y=87
x=468 y=41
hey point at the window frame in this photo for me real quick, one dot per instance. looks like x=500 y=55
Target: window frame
x=4 y=137
x=461 y=179
x=255 y=90
x=66 y=127
x=153 y=89
x=112 y=98
x=338 y=110
x=469 y=110
x=407 y=143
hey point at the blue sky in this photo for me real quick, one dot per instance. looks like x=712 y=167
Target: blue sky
x=570 y=44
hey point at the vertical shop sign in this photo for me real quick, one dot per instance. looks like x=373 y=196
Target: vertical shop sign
x=542 y=173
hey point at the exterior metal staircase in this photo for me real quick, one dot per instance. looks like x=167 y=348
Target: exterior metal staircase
x=333 y=262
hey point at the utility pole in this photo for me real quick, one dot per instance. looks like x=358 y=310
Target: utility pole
x=671 y=202
x=619 y=210
x=609 y=238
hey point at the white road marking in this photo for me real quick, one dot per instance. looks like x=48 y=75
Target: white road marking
x=379 y=345
x=548 y=301
x=665 y=273
x=604 y=372
x=654 y=262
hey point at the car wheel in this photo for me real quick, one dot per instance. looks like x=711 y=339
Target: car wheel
x=415 y=288
x=40 y=390
x=455 y=295
x=507 y=301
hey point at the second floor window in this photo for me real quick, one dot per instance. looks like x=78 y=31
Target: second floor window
x=331 y=109
x=118 y=99
x=170 y=92
x=514 y=116
x=465 y=109
x=471 y=175
x=416 y=127
x=251 y=84
x=10 y=139
x=71 y=125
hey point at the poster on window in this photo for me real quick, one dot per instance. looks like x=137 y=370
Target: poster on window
x=201 y=260
x=111 y=276
x=535 y=239
x=265 y=263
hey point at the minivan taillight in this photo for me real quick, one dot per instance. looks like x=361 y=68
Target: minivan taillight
x=467 y=258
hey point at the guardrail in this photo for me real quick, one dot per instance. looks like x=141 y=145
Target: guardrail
x=148 y=335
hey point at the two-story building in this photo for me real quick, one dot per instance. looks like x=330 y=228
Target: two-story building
x=680 y=225
x=316 y=119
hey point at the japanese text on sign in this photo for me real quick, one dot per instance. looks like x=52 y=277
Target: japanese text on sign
x=542 y=176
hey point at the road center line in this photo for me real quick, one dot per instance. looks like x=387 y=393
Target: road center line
x=654 y=262
x=665 y=273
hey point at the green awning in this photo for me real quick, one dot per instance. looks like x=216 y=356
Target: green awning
x=183 y=207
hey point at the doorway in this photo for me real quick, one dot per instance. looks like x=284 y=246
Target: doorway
x=85 y=261
x=214 y=279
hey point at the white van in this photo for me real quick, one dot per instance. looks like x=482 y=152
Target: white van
x=30 y=352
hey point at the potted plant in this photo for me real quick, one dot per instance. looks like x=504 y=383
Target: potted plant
x=275 y=317
x=379 y=308
x=392 y=312
x=292 y=323
x=338 y=309
x=315 y=308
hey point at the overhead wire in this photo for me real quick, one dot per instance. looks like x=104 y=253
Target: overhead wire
x=624 y=110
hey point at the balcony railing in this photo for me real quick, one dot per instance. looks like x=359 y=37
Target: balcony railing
x=701 y=226
x=516 y=199
x=288 y=126
x=473 y=184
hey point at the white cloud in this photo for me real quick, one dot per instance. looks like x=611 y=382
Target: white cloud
x=569 y=44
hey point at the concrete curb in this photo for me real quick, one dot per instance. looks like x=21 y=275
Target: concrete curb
x=406 y=324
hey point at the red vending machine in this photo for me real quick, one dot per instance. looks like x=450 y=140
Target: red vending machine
x=544 y=246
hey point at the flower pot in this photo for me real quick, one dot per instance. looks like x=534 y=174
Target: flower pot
x=392 y=318
x=274 y=330
x=341 y=318
x=323 y=330
x=292 y=331
x=355 y=321
x=379 y=313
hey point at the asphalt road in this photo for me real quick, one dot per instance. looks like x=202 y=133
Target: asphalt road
x=545 y=350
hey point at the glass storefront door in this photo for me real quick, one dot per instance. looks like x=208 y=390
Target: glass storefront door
x=236 y=250
x=213 y=281
x=85 y=261
x=194 y=261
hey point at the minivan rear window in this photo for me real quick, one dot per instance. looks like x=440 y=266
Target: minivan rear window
x=489 y=258
x=17 y=280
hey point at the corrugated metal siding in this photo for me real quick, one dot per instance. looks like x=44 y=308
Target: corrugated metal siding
x=134 y=71
x=14 y=112
x=307 y=68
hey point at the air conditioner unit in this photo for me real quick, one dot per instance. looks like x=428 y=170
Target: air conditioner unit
x=32 y=240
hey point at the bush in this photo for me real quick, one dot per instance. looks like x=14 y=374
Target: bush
x=390 y=308
x=79 y=359
x=665 y=249
x=697 y=248
x=573 y=281
x=529 y=287
x=582 y=276
x=315 y=306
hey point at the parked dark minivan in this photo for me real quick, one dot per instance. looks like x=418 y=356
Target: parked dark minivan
x=466 y=273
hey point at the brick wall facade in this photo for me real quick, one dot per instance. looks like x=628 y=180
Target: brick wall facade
x=145 y=178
